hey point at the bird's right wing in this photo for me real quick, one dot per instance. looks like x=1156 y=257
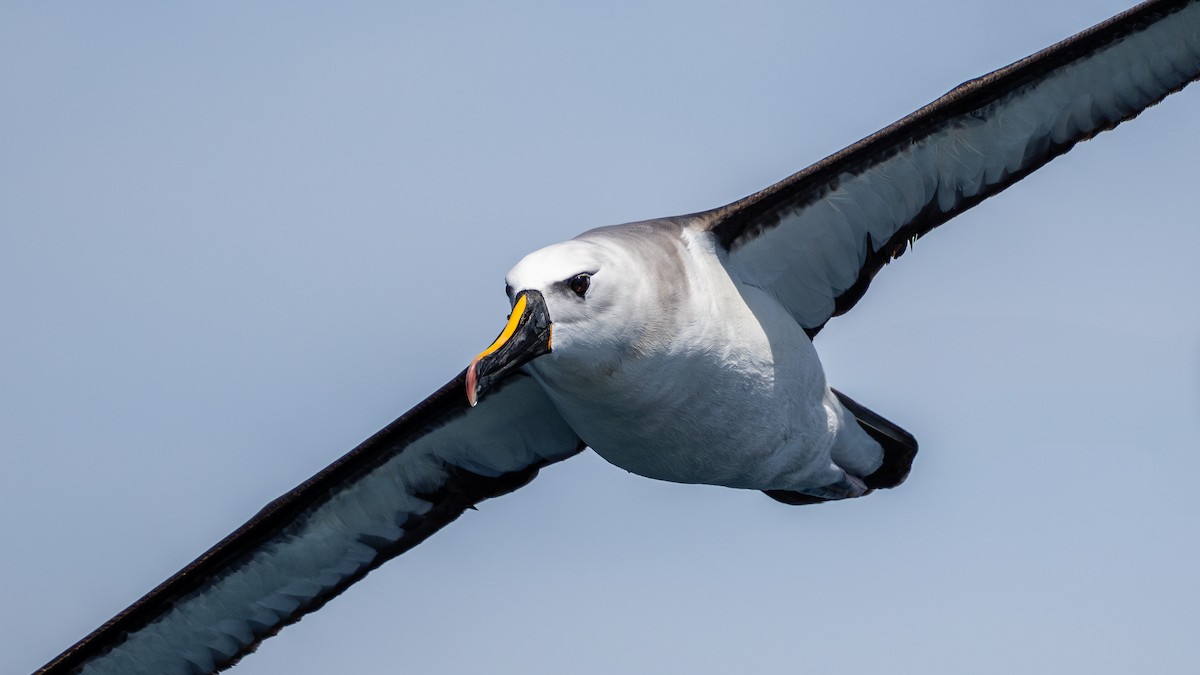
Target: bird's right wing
x=381 y=499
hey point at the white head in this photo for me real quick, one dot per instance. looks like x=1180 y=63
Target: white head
x=605 y=290
x=602 y=295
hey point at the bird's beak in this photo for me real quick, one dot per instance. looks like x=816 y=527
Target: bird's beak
x=526 y=337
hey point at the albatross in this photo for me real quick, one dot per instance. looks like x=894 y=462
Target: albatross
x=677 y=348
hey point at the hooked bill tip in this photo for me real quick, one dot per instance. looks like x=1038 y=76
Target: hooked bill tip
x=472 y=382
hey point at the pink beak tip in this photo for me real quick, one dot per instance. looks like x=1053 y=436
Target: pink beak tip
x=472 y=381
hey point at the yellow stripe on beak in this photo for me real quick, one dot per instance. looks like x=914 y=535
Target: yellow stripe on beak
x=513 y=320
x=526 y=337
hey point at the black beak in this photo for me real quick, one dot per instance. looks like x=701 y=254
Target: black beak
x=526 y=337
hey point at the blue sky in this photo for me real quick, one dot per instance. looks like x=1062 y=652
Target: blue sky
x=236 y=239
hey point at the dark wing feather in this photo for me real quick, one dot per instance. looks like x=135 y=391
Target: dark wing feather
x=816 y=239
x=387 y=495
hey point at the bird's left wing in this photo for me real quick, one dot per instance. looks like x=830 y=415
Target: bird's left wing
x=816 y=239
x=379 y=500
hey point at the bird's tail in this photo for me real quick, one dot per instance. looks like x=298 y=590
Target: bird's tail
x=899 y=450
x=899 y=446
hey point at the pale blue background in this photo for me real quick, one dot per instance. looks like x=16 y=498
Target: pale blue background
x=237 y=238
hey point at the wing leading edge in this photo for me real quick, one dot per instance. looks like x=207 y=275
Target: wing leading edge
x=816 y=239
x=387 y=495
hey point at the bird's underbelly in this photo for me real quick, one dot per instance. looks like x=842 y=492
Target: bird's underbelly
x=760 y=449
x=754 y=421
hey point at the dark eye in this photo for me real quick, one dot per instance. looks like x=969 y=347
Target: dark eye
x=580 y=283
x=508 y=290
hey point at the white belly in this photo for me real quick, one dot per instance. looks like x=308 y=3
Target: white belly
x=740 y=402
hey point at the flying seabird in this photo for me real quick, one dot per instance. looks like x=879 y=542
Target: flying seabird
x=843 y=219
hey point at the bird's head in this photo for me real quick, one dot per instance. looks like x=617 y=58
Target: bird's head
x=585 y=301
